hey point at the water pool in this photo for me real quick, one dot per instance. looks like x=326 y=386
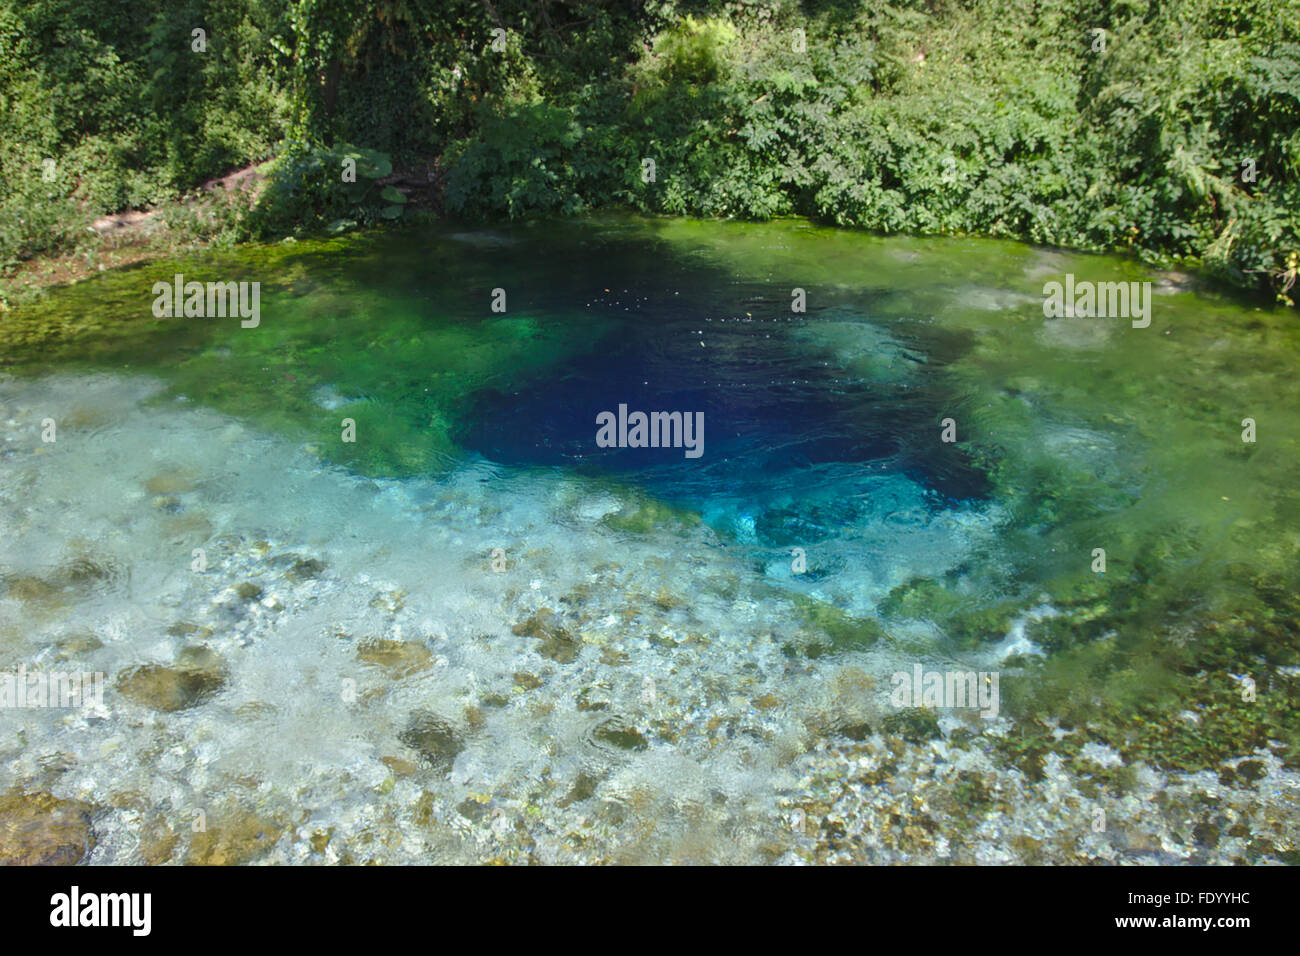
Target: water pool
x=473 y=633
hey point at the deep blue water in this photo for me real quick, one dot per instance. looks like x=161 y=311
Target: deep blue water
x=789 y=438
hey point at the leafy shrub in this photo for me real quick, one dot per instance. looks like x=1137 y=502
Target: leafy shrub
x=985 y=117
x=308 y=191
x=520 y=160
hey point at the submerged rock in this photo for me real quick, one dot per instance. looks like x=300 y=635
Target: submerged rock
x=189 y=629
x=239 y=838
x=305 y=569
x=915 y=725
x=399 y=767
x=620 y=733
x=31 y=589
x=526 y=682
x=59 y=589
x=39 y=829
x=171 y=482
x=197 y=675
x=645 y=514
x=436 y=740
x=555 y=641
x=75 y=645
x=399 y=658
x=584 y=787
x=298 y=568
x=158 y=841
x=390 y=600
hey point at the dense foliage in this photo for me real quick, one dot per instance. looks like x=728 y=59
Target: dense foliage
x=1171 y=129
x=112 y=92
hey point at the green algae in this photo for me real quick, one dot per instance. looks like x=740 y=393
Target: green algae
x=915 y=725
x=645 y=515
x=381 y=390
x=380 y=384
x=968 y=620
x=842 y=631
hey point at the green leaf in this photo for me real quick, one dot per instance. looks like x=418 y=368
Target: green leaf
x=392 y=194
x=375 y=167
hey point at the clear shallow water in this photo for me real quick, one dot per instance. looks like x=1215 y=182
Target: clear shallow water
x=637 y=673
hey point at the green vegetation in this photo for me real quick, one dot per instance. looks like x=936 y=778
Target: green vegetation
x=916 y=725
x=646 y=515
x=842 y=631
x=403 y=370
x=1175 y=134
x=112 y=92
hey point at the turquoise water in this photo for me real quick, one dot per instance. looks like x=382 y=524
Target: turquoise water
x=474 y=633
